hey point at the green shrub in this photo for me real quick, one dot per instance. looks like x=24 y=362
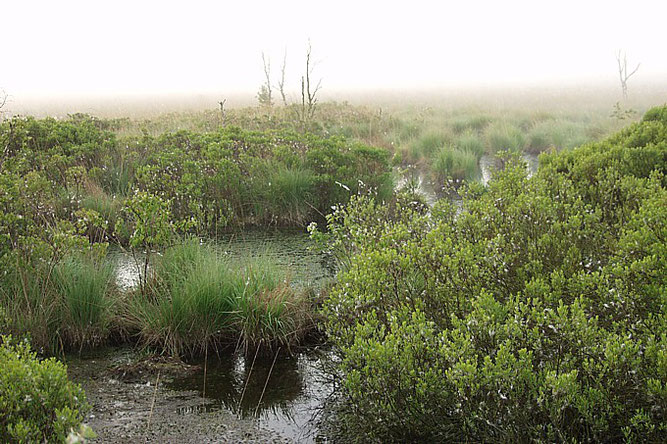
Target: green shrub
x=38 y=402
x=243 y=177
x=533 y=313
x=55 y=171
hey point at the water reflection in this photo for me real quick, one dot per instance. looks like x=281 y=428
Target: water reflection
x=127 y=268
x=289 y=250
x=487 y=163
x=417 y=181
x=282 y=396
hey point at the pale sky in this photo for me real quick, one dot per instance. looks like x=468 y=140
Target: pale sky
x=137 y=46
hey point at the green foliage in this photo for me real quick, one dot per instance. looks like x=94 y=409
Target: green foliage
x=268 y=311
x=456 y=164
x=38 y=402
x=284 y=195
x=503 y=136
x=32 y=244
x=470 y=143
x=51 y=170
x=264 y=96
x=427 y=145
x=65 y=304
x=198 y=299
x=470 y=122
x=151 y=219
x=239 y=177
x=4 y=321
x=535 y=313
x=556 y=134
x=108 y=209
x=85 y=289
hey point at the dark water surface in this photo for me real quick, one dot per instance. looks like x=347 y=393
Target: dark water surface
x=290 y=250
x=283 y=396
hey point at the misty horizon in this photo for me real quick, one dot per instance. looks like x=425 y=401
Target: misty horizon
x=75 y=49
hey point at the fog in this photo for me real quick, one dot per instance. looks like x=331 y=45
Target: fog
x=192 y=52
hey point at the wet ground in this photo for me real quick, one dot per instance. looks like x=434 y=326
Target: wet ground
x=231 y=398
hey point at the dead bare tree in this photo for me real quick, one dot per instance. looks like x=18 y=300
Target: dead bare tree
x=622 y=60
x=3 y=100
x=308 y=95
x=281 y=83
x=222 y=111
x=265 y=94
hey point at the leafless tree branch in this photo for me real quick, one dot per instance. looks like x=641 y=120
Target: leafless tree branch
x=281 y=84
x=622 y=61
x=265 y=95
x=222 y=111
x=308 y=95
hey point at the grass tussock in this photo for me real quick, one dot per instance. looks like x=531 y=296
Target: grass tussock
x=199 y=300
x=427 y=145
x=504 y=136
x=555 y=134
x=69 y=305
x=470 y=142
x=85 y=289
x=195 y=299
x=456 y=164
x=470 y=122
x=284 y=195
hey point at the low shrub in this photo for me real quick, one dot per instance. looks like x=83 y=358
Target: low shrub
x=535 y=312
x=38 y=402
